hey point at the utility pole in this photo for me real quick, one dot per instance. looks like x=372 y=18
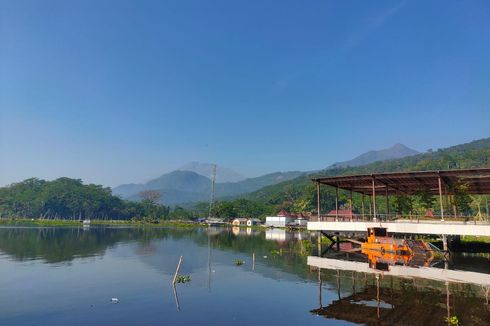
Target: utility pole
x=213 y=181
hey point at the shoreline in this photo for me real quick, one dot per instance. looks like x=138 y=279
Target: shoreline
x=468 y=244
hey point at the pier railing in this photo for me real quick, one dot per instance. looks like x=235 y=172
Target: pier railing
x=398 y=217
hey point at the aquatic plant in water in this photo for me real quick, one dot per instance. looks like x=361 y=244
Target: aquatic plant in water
x=239 y=262
x=183 y=278
x=453 y=320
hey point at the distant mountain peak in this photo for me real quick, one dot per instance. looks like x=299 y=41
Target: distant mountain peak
x=222 y=174
x=396 y=151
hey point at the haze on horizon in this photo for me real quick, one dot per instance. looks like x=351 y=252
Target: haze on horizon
x=123 y=91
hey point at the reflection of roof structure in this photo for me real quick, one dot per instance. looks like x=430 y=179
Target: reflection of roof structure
x=396 y=307
x=478 y=181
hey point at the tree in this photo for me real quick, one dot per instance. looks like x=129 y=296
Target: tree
x=462 y=198
x=152 y=196
x=476 y=202
x=425 y=199
x=403 y=204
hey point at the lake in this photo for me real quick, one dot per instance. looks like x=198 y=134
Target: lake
x=68 y=276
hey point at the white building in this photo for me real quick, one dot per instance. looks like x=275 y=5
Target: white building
x=281 y=220
x=239 y=221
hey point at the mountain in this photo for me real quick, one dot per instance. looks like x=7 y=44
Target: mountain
x=205 y=169
x=230 y=189
x=395 y=152
x=181 y=181
x=179 y=187
x=475 y=154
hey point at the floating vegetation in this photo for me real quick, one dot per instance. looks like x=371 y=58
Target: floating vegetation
x=275 y=252
x=239 y=262
x=453 y=320
x=183 y=278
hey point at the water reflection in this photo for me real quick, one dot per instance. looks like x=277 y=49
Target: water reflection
x=137 y=265
x=282 y=235
x=402 y=295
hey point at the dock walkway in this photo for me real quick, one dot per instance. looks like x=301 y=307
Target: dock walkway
x=406 y=227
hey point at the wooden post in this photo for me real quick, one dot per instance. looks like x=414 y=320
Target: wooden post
x=336 y=204
x=444 y=242
x=176 y=297
x=253 y=261
x=374 y=199
x=338 y=283
x=377 y=292
x=455 y=209
x=387 y=203
x=448 y=306
x=318 y=199
x=446 y=207
x=320 y=287
x=177 y=270
x=362 y=205
x=440 y=198
x=486 y=204
x=319 y=244
x=350 y=205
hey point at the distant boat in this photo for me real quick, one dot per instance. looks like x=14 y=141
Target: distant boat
x=86 y=223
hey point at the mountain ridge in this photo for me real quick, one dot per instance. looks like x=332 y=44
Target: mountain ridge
x=396 y=151
x=179 y=186
x=223 y=174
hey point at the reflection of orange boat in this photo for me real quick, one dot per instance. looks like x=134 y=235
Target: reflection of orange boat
x=383 y=251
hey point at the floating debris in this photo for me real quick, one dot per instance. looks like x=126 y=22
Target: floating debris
x=265 y=257
x=115 y=300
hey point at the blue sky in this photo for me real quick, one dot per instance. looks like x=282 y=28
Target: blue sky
x=123 y=91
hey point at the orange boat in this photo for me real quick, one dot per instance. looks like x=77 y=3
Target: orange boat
x=383 y=250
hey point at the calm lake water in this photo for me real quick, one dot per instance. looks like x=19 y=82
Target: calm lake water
x=68 y=276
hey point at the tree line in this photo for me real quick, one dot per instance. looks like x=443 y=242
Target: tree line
x=66 y=198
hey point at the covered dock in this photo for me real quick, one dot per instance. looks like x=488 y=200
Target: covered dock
x=441 y=184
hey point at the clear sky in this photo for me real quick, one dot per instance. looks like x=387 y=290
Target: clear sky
x=122 y=91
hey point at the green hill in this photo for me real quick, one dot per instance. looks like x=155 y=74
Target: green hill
x=299 y=194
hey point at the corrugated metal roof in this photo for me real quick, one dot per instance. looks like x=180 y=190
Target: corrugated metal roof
x=477 y=181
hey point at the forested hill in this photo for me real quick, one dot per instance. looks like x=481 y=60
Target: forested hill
x=66 y=198
x=475 y=154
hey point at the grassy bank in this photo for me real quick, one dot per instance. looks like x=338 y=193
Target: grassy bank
x=472 y=238
x=74 y=223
